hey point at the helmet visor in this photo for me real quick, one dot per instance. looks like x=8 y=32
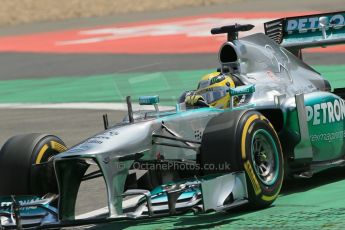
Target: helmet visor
x=214 y=94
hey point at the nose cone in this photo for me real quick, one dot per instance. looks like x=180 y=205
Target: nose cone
x=118 y=141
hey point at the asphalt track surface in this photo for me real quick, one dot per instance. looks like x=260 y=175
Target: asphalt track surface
x=37 y=66
x=75 y=125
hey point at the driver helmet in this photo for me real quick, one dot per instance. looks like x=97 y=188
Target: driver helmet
x=214 y=89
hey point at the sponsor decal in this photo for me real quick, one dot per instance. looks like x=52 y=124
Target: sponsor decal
x=148 y=100
x=326 y=112
x=7 y=204
x=241 y=90
x=99 y=139
x=250 y=171
x=93 y=141
x=339 y=135
x=302 y=25
x=79 y=148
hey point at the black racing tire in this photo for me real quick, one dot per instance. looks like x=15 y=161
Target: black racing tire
x=229 y=139
x=262 y=159
x=18 y=176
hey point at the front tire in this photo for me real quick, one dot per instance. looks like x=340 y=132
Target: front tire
x=17 y=157
x=233 y=138
x=261 y=157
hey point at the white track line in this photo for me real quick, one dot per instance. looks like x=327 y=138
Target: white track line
x=81 y=105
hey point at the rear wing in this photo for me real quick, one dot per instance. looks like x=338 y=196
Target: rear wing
x=316 y=30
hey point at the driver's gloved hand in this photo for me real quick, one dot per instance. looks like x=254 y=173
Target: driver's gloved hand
x=195 y=100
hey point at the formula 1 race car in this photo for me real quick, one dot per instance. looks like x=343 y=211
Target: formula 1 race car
x=280 y=120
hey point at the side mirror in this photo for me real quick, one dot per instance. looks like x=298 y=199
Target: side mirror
x=149 y=100
x=241 y=90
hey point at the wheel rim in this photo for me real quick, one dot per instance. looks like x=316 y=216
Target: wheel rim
x=265 y=157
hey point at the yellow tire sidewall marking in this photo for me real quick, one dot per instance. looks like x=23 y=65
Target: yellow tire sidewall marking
x=244 y=134
x=269 y=198
x=41 y=153
x=57 y=146
x=247 y=166
x=268 y=122
x=249 y=169
x=273 y=197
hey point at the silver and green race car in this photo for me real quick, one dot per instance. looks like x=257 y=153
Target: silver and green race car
x=285 y=123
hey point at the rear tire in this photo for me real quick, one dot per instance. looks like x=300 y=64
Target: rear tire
x=17 y=157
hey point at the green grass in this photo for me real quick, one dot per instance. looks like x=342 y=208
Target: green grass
x=115 y=87
x=315 y=203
